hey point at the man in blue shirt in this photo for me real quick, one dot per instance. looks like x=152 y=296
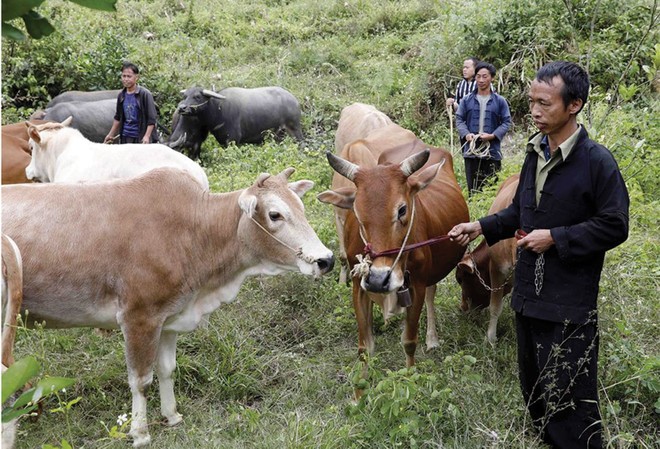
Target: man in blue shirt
x=135 y=118
x=482 y=119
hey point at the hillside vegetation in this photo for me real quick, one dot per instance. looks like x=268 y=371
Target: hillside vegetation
x=277 y=368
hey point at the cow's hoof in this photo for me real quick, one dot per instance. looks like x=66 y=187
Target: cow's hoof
x=174 y=419
x=492 y=339
x=141 y=440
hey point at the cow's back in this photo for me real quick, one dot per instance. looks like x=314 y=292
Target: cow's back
x=81 y=238
x=357 y=121
x=81 y=160
x=259 y=108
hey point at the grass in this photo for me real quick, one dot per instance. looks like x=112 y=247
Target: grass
x=275 y=369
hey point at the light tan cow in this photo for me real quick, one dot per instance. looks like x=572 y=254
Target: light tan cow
x=12 y=297
x=152 y=256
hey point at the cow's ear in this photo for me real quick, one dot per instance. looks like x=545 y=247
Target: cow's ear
x=342 y=198
x=425 y=177
x=301 y=187
x=248 y=203
x=33 y=133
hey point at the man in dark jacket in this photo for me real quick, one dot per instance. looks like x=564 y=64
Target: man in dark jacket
x=135 y=118
x=571 y=206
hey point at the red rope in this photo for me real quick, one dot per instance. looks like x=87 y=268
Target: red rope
x=370 y=252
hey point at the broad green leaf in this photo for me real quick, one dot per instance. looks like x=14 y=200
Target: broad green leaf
x=10 y=413
x=50 y=385
x=11 y=32
x=37 y=25
x=103 y=5
x=13 y=9
x=18 y=375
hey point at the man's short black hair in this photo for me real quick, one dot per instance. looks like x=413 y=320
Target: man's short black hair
x=130 y=65
x=485 y=65
x=474 y=60
x=575 y=78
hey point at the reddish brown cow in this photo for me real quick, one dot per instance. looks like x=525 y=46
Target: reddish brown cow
x=15 y=152
x=407 y=195
x=486 y=274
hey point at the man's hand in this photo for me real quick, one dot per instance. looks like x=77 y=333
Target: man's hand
x=464 y=233
x=538 y=241
x=486 y=136
x=450 y=102
x=108 y=139
x=146 y=139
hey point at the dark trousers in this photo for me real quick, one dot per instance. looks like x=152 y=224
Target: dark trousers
x=478 y=170
x=558 y=365
x=124 y=139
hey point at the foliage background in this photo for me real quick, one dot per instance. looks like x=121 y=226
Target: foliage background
x=275 y=369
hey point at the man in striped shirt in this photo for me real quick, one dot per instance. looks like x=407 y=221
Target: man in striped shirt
x=466 y=85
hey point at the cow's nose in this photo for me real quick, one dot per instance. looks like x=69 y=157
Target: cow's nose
x=378 y=281
x=326 y=264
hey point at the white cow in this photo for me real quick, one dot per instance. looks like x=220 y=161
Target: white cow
x=152 y=256
x=63 y=154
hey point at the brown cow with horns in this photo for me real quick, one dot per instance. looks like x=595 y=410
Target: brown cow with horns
x=404 y=193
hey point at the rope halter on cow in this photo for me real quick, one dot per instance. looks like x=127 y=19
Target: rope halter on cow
x=361 y=269
x=298 y=252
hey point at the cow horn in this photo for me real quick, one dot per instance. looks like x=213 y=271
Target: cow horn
x=262 y=178
x=178 y=142
x=210 y=93
x=413 y=163
x=286 y=173
x=342 y=166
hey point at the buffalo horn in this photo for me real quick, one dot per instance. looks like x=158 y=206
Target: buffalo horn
x=342 y=166
x=413 y=163
x=210 y=93
x=178 y=141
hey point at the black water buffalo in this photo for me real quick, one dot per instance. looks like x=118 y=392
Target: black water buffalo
x=81 y=95
x=92 y=118
x=233 y=115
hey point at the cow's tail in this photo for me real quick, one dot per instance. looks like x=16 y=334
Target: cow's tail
x=12 y=295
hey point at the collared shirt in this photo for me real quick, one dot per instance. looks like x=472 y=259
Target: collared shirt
x=539 y=143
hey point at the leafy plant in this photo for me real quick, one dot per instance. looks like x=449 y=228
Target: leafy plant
x=18 y=375
x=38 y=26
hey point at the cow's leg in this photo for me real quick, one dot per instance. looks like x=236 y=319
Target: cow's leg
x=364 y=316
x=165 y=365
x=141 y=337
x=495 y=308
x=410 y=334
x=431 y=331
